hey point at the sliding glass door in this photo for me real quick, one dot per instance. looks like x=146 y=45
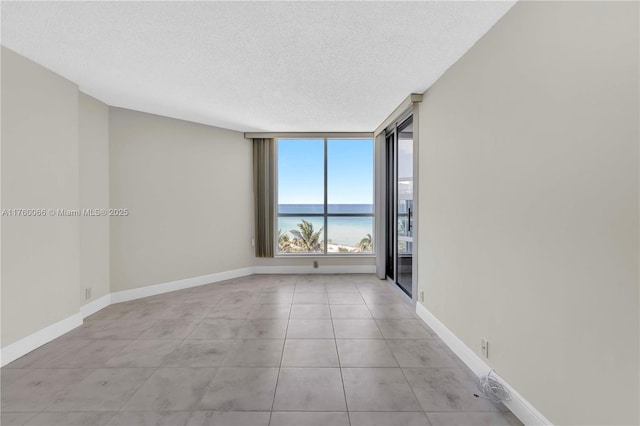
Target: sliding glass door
x=400 y=210
x=405 y=211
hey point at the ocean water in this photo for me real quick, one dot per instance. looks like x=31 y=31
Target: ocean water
x=346 y=231
x=319 y=208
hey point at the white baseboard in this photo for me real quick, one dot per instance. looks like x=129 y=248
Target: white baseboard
x=27 y=344
x=95 y=305
x=330 y=269
x=519 y=406
x=153 y=290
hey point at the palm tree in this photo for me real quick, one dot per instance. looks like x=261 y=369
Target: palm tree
x=283 y=241
x=306 y=238
x=366 y=244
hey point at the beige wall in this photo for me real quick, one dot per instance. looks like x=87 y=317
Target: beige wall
x=188 y=188
x=529 y=195
x=94 y=194
x=40 y=255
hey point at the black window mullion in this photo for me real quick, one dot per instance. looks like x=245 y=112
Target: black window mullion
x=325 y=197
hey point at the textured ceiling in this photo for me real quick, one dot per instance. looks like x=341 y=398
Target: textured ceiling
x=251 y=66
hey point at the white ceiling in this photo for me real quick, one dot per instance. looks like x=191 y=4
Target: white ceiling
x=251 y=66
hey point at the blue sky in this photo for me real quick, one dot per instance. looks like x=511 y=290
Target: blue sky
x=301 y=171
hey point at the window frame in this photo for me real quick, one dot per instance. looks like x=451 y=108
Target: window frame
x=325 y=215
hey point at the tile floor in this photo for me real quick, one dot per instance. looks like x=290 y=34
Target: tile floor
x=260 y=350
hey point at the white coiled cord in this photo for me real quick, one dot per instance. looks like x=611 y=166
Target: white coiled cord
x=490 y=388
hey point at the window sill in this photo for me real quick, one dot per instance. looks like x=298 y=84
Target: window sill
x=322 y=255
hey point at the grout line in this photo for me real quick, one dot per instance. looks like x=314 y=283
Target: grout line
x=344 y=391
x=144 y=382
x=403 y=374
x=284 y=343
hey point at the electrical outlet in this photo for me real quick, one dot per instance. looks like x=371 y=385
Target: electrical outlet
x=253 y=242
x=315 y=264
x=484 y=346
x=87 y=293
x=422 y=296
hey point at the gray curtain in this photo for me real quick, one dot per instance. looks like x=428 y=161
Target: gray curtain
x=264 y=195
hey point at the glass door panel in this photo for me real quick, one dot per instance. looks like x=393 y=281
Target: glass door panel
x=390 y=249
x=404 y=206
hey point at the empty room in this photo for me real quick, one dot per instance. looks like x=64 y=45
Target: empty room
x=340 y=213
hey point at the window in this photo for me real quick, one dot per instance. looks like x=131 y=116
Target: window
x=325 y=196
